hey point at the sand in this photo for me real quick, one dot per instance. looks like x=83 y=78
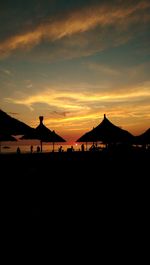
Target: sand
x=74 y=184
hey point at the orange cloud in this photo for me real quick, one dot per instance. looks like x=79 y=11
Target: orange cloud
x=76 y=22
x=83 y=107
x=81 y=110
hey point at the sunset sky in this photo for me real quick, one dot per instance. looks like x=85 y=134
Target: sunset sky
x=72 y=61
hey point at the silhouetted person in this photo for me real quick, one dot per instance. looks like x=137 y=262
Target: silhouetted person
x=38 y=149
x=72 y=149
x=93 y=147
x=31 y=148
x=60 y=149
x=18 y=150
x=82 y=147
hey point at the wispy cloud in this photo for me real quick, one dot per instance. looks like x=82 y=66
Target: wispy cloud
x=29 y=86
x=121 y=74
x=13 y=113
x=76 y=22
x=78 y=111
x=68 y=103
x=7 y=72
x=102 y=68
x=77 y=92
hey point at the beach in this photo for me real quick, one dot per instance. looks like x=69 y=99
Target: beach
x=76 y=182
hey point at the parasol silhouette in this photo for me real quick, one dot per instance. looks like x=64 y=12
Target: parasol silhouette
x=107 y=132
x=12 y=126
x=42 y=133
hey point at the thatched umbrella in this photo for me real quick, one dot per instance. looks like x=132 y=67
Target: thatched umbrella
x=42 y=133
x=107 y=132
x=12 y=126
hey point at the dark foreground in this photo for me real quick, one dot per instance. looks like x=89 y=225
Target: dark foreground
x=72 y=185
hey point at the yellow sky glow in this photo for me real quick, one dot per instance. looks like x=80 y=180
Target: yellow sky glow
x=79 y=114
x=61 y=98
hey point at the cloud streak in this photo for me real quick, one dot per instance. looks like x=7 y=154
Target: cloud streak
x=68 y=103
x=7 y=72
x=74 y=101
x=76 y=22
x=80 y=110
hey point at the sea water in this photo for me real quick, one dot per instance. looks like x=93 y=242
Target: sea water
x=11 y=147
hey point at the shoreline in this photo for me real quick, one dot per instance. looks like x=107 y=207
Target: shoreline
x=133 y=157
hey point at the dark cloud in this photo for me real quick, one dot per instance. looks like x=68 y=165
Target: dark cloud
x=24 y=15
x=20 y=15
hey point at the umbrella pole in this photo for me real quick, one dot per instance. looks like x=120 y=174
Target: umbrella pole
x=86 y=146
x=53 y=146
x=0 y=147
x=41 y=146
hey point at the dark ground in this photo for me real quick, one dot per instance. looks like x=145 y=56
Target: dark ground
x=75 y=186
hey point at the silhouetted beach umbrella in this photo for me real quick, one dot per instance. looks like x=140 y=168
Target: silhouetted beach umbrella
x=42 y=133
x=46 y=135
x=12 y=126
x=107 y=132
x=87 y=137
x=5 y=138
x=143 y=138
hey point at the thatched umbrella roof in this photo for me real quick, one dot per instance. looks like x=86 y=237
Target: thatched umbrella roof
x=12 y=126
x=106 y=132
x=42 y=133
x=87 y=137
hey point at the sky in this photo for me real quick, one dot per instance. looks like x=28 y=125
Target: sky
x=72 y=61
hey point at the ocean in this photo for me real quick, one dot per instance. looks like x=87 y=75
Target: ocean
x=25 y=147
